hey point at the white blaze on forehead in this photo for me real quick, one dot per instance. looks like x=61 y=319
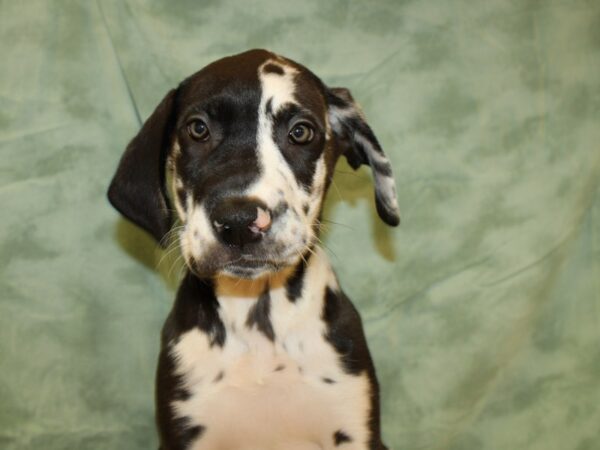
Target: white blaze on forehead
x=276 y=175
x=278 y=87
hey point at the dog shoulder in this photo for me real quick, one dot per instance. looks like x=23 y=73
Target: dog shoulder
x=195 y=307
x=345 y=331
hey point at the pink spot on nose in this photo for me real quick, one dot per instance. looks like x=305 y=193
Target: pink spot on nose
x=262 y=221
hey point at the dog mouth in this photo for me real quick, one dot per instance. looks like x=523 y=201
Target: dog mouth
x=245 y=266
x=252 y=269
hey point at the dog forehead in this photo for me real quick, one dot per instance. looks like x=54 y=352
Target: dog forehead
x=285 y=81
x=235 y=76
x=247 y=77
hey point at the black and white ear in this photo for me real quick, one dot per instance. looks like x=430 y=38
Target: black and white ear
x=360 y=146
x=138 y=189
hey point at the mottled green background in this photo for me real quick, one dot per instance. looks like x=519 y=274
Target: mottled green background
x=482 y=310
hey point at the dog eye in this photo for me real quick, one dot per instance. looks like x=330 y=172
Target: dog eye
x=198 y=130
x=301 y=134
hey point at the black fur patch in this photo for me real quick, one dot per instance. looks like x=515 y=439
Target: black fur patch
x=260 y=315
x=219 y=377
x=195 y=306
x=339 y=97
x=301 y=158
x=226 y=95
x=339 y=437
x=345 y=332
x=210 y=322
x=269 y=107
x=180 y=434
x=169 y=380
x=337 y=102
x=328 y=380
x=273 y=68
x=344 y=322
x=186 y=433
x=294 y=284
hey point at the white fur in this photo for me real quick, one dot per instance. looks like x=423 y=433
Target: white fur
x=256 y=407
x=181 y=210
x=276 y=175
x=197 y=233
x=336 y=115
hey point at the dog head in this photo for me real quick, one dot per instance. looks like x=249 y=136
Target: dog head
x=252 y=141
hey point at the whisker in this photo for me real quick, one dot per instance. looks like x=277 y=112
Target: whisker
x=172 y=263
x=238 y=282
x=306 y=247
x=169 y=235
x=338 y=223
x=337 y=190
x=321 y=227
x=168 y=253
x=182 y=270
x=326 y=247
x=346 y=172
x=302 y=257
x=177 y=262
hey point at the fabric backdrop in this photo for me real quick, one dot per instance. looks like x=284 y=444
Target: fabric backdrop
x=482 y=309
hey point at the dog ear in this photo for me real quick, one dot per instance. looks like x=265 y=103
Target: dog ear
x=360 y=146
x=138 y=189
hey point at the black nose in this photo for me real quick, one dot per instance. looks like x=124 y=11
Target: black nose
x=240 y=221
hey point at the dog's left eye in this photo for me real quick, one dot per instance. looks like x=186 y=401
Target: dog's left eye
x=301 y=133
x=198 y=130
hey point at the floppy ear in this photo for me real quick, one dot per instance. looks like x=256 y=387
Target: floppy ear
x=360 y=146
x=138 y=189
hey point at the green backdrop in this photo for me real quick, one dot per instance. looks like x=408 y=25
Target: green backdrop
x=482 y=310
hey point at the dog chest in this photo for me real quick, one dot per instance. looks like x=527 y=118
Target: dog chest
x=278 y=385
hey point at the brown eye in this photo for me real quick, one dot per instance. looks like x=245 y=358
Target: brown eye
x=301 y=134
x=198 y=130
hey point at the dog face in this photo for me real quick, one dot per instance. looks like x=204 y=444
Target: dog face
x=252 y=141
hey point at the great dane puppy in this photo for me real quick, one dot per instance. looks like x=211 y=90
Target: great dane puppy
x=262 y=350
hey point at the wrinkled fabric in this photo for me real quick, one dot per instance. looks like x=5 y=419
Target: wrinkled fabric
x=482 y=309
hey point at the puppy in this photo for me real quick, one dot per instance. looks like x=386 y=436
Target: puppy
x=262 y=350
